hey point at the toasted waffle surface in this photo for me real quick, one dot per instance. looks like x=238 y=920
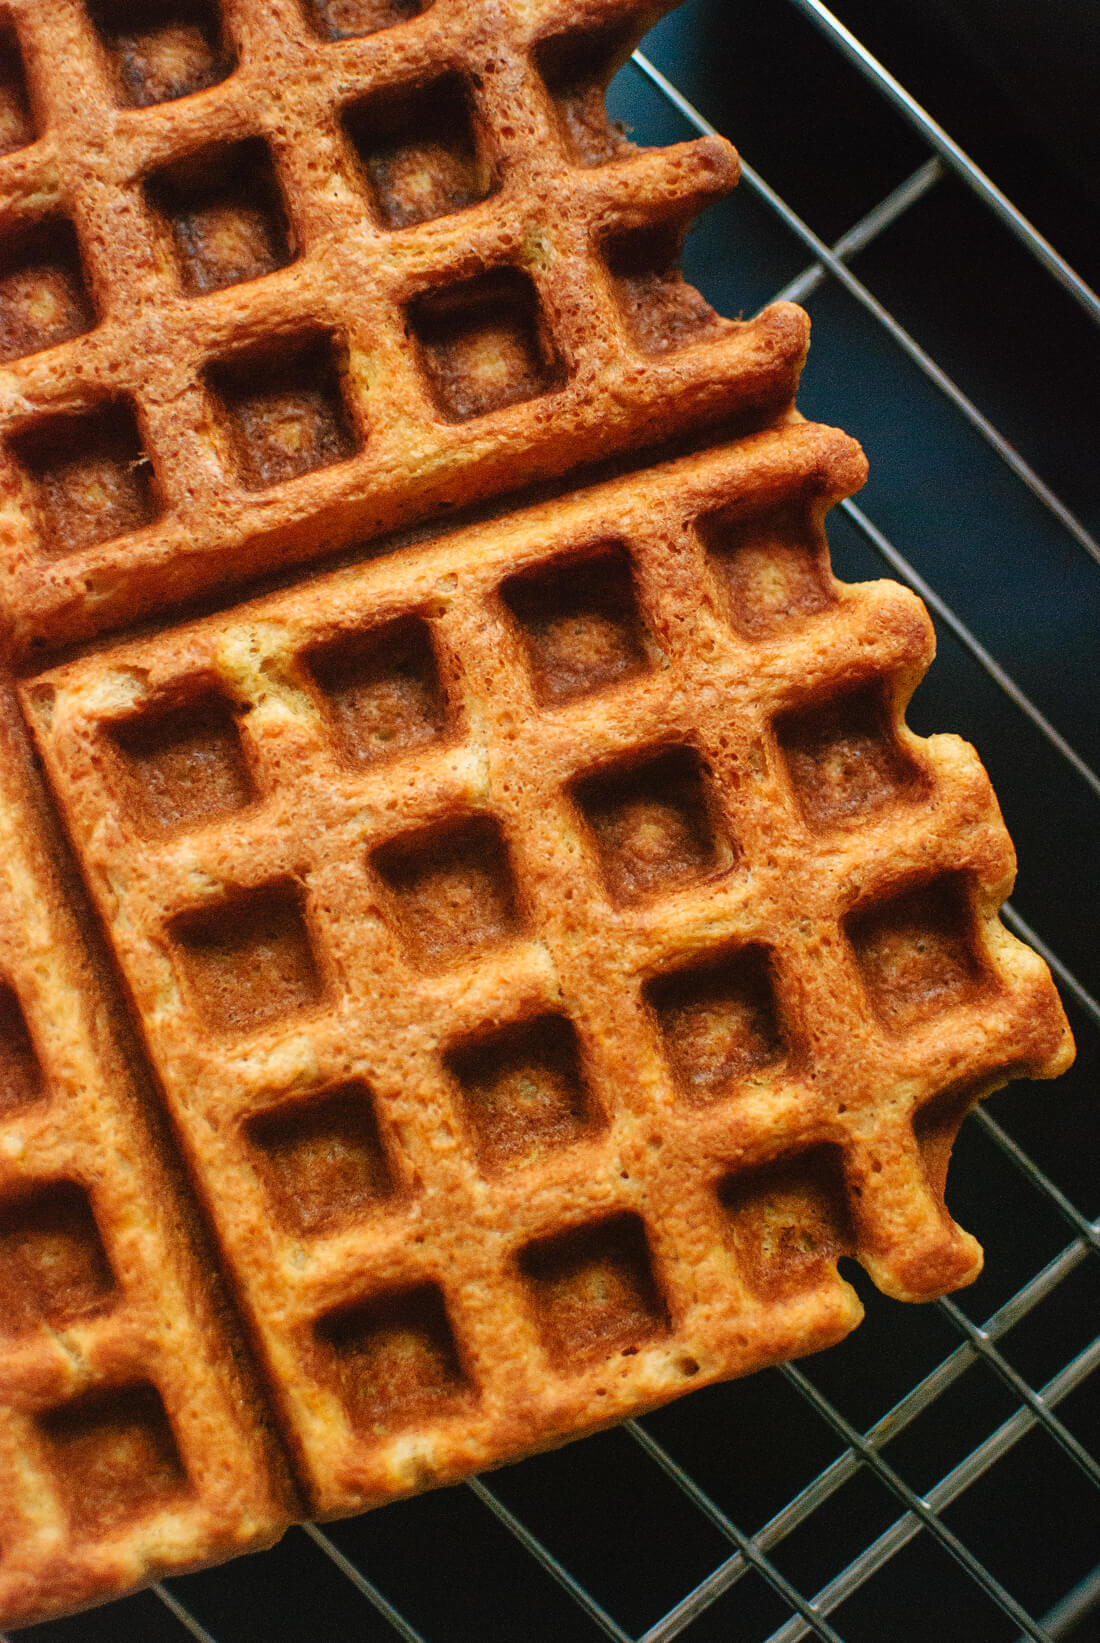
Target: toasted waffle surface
x=518 y=964
x=133 y=1442
x=555 y=951
x=282 y=275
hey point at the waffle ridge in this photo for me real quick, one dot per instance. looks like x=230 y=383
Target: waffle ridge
x=503 y=967
x=134 y=1442
x=352 y=282
x=628 y=1010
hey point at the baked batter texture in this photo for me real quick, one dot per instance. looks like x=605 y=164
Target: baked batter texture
x=479 y=942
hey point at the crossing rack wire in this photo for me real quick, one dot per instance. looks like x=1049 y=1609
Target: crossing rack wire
x=936 y=1475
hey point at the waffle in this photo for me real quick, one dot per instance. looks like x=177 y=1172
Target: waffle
x=357 y=275
x=133 y=1441
x=521 y=957
x=555 y=952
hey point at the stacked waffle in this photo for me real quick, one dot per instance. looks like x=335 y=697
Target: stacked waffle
x=516 y=961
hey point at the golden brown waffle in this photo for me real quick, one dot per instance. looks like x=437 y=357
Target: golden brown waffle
x=549 y=950
x=132 y=1441
x=555 y=952
x=357 y=274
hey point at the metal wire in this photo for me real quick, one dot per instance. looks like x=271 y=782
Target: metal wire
x=867 y=229
x=361 y=1583
x=959 y=161
x=183 y=1615
x=1037 y=1407
x=1066 y=978
x=862 y=1450
x=549 y=1562
x=1075 y=1606
x=984 y=658
x=750 y=1549
x=1089 y=1231
x=897 y=332
x=978 y=1461
x=920 y=1508
x=810 y=1499
x=982 y=1344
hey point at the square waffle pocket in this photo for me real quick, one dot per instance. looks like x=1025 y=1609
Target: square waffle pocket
x=134 y=1441
x=556 y=952
x=514 y=967
x=277 y=275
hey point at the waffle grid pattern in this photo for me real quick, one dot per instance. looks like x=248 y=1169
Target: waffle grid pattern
x=649 y=1031
x=259 y=253
x=119 y=1459
x=552 y=946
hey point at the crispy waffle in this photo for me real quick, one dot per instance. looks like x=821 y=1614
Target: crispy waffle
x=555 y=951
x=356 y=275
x=521 y=959
x=133 y=1439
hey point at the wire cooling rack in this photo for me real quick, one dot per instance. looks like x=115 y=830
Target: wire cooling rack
x=935 y=1474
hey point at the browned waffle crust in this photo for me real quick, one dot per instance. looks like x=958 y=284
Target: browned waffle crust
x=555 y=952
x=130 y=1435
x=548 y=943
x=468 y=279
